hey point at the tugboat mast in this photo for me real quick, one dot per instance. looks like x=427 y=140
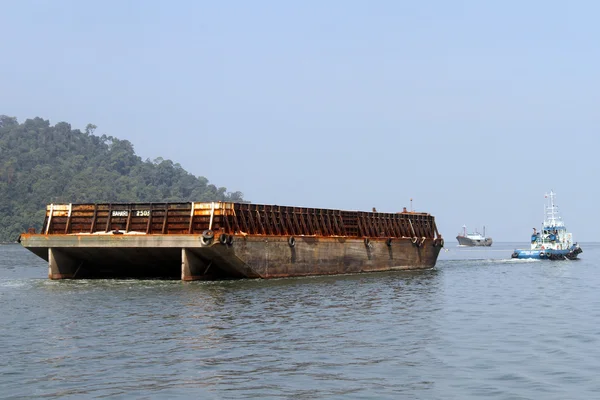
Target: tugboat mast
x=551 y=212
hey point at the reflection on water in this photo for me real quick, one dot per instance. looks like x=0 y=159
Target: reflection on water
x=478 y=325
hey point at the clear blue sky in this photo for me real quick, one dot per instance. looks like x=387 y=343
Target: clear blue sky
x=472 y=108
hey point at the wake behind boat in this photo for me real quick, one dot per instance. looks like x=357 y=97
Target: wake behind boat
x=553 y=242
x=473 y=239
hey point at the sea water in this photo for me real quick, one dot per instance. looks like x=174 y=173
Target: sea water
x=479 y=325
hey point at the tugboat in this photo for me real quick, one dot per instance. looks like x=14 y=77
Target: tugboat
x=553 y=242
x=473 y=239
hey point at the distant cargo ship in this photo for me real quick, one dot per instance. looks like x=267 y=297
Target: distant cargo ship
x=473 y=239
x=222 y=240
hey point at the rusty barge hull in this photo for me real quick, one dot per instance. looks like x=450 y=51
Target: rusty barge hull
x=206 y=241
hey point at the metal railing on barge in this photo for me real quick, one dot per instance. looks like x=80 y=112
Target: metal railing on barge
x=232 y=218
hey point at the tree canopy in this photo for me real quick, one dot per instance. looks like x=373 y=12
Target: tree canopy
x=42 y=164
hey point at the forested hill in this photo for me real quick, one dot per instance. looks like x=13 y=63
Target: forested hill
x=42 y=164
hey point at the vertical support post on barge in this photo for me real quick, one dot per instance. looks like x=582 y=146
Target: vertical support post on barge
x=192 y=267
x=60 y=265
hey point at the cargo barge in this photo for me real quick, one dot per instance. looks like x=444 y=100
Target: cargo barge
x=223 y=240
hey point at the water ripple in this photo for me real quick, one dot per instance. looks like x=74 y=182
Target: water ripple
x=479 y=325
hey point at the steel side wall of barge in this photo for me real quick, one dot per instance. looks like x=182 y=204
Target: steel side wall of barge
x=202 y=241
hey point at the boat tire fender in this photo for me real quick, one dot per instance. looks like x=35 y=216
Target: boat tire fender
x=542 y=254
x=223 y=238
x=208 y=236
x=229 y=240
x=292 y=241
x=388 y=242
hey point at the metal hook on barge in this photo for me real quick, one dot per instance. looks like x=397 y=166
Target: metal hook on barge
x=223 y=240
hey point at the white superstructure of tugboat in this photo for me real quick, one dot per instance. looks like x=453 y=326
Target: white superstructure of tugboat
x=473 y=239
x=552 y=242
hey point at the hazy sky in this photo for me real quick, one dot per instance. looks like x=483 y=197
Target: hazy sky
x=474 y=109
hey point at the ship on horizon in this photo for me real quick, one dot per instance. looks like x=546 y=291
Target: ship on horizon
x=473 y=239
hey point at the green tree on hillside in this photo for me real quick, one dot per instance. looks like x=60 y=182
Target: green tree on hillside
x=41 y=164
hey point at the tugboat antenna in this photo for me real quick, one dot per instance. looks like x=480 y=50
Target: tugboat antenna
x=550 y=212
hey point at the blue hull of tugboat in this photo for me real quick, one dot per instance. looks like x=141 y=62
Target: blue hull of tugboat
x=548 y=254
